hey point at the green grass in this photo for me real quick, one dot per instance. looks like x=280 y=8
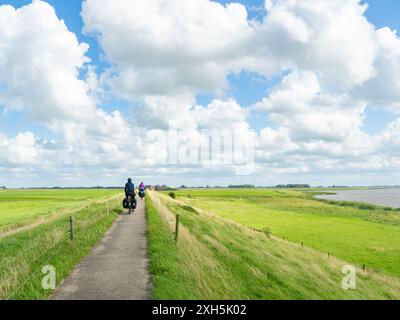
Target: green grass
x=218 y=259
x=23 y=255
x=165 y=261
x=358 y=233
x=19 y=208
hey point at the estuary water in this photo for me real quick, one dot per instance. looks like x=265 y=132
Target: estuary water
x=381 y=197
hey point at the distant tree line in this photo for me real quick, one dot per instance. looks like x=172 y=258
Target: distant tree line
x=293 y=186
x=242 y=186
x=70 y=188
x=163 y=188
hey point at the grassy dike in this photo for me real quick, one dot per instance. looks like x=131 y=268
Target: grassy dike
x=355 y=232
x=219 y=259
x=23 y=255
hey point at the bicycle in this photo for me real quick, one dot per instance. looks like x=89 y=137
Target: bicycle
x=131 y=203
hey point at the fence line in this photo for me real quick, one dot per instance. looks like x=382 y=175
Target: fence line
x=25 y=250
x=34 y=273
x=56 y=215
x=15 y=275
x=36 y=242
x=45 y=239
x=165 y=212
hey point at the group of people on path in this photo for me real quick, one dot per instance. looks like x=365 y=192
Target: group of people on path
x=130 y=190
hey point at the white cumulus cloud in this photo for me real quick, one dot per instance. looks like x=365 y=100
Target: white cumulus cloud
x=332 y=61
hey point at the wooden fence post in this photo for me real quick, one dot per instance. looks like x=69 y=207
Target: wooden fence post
x=71 y=227
x=177 y=228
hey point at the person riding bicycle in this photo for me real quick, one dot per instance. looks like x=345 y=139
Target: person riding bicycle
x=130 y=201
x=130 y=189
x=141 y=190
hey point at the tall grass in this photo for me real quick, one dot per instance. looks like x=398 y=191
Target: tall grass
x=355 y=232
x=220 y=259
x=23 y=255
x=20 y=208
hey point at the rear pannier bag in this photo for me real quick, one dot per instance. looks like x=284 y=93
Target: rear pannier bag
x=125 y=203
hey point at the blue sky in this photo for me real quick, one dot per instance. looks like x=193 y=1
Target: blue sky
x=264 y=97
x=384 y=13
x=246 y=88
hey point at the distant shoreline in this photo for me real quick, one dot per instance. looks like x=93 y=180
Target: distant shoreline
x=385 y=197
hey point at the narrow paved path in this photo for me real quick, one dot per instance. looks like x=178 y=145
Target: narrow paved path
x=117 y=267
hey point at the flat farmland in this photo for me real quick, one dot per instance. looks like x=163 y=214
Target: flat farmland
x=355 y=232
x=19 y=208
x=216 y=258
x=34 y=232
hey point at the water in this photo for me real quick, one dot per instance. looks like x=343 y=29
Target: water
x=381 y=197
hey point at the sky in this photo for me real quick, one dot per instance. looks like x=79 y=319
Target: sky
x=93 y=91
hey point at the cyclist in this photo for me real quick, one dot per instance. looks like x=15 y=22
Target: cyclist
x=130 y=190
x=141 y=190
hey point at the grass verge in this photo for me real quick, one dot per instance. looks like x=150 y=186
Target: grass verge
x=170 y=277
x=219 y=259
x=355 y=232
x=21 y=208
x=23 y=255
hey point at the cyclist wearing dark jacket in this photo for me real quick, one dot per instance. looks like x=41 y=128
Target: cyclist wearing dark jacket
x=129 y=188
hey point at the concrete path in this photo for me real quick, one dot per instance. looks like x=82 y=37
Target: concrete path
x=117 y=268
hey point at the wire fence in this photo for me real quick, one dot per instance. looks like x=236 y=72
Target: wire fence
x=173 y=224
x=168 y=217
x=18 y=269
